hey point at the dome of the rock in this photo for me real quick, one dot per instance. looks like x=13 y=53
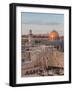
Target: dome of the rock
x=53 y=35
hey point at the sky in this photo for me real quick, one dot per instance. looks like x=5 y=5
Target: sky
x=42 y=23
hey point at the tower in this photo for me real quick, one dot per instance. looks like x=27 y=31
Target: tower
x=30 y=37
x=30 y=32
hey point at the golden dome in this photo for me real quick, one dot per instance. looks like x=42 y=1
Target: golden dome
x=53 y=35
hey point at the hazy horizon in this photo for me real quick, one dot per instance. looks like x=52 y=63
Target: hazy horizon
x=42 y=23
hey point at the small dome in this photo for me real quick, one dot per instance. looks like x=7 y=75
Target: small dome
x=53 y=35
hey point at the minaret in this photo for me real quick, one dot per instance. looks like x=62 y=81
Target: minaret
x=30 y=37
x=30 y=32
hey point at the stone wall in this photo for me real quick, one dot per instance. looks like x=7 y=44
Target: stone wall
x=43 y=57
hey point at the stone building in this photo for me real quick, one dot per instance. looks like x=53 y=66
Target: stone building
x=40 y=53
